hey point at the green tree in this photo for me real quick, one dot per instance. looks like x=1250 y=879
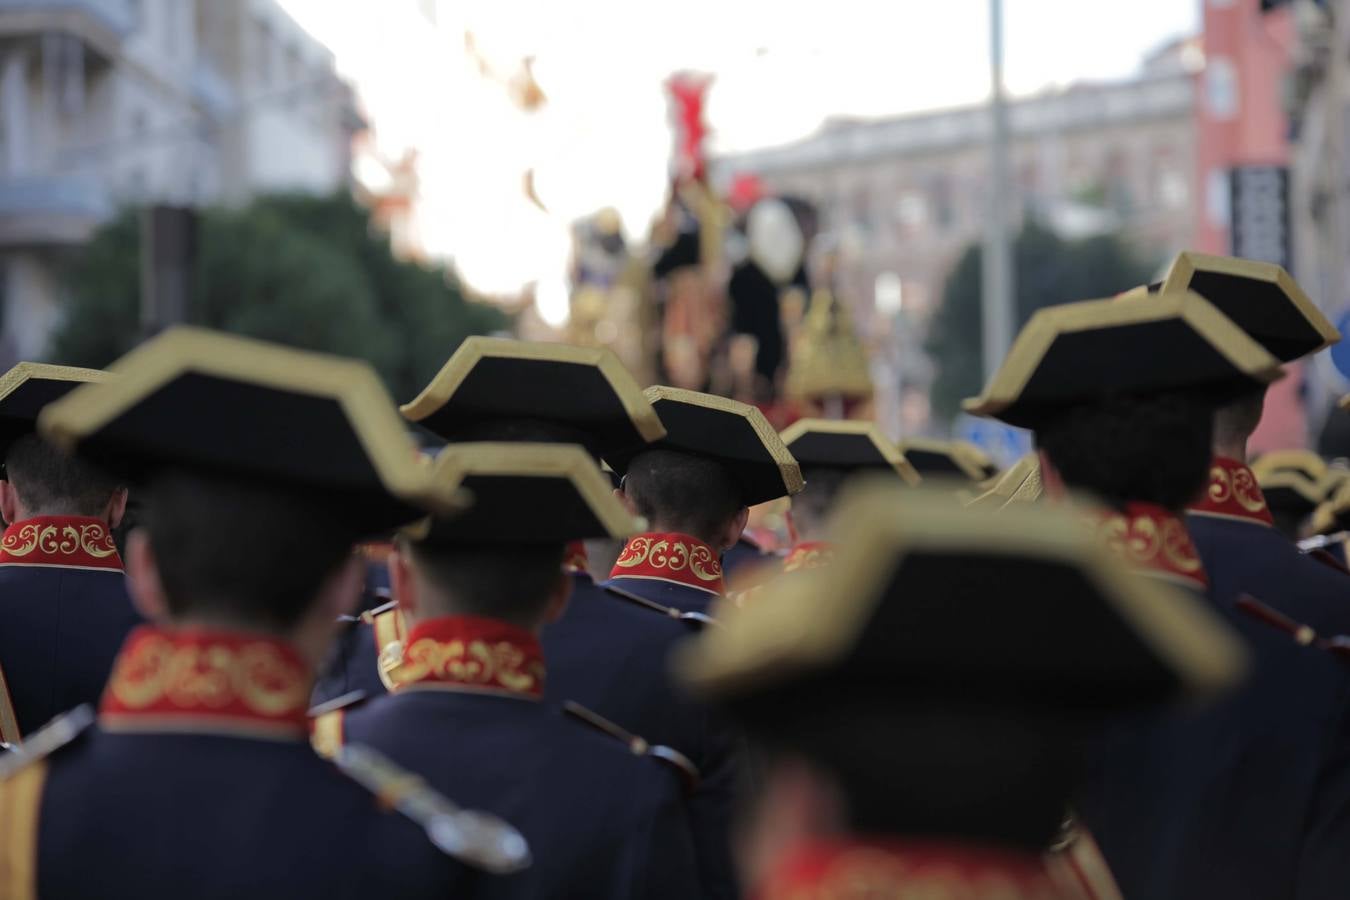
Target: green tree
x=300 y=270
x=1050 y=271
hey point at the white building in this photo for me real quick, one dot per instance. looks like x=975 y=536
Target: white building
x=110 y=102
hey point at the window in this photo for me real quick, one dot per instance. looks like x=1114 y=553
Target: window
x=1221 y=88
x=1218 y=201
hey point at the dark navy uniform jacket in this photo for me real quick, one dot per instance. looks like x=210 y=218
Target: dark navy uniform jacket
x=600 y=821
x=211 y=799
x=612 y=656
x=1248 y=798
x=352 y=664
x=64 y=612
x=743 y=553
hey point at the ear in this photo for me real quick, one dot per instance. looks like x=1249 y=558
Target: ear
x=143 y=582
x=9 y=503
x=735 y=527
x=558 y=598
x=403 y=582
x=626 y=500
x=116 y=509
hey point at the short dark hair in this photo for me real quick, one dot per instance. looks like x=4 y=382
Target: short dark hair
x=976 y=774
x=1234 y=422
x=691 y=494
x=244 y=552
x=510 y=582
x=50 y=482
x=1153 y=449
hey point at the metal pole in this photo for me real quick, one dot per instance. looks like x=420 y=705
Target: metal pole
x=997 y=273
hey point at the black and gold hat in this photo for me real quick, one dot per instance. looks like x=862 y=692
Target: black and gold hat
x=565 y=494
x=934 y=458
x=734 y=434
x=28 y=387
x=1293 y=481
x=1082 y=352
x=582 y=394
x=218 y=405
x=1261 y=298
x=932 y=604
x=1020 y=483
x=846 y=445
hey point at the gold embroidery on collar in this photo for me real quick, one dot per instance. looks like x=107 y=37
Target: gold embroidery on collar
x=67 y=540
x=675 y=556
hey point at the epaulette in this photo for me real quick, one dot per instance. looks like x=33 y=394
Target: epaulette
x=325 y=723
x=638 y=745
x=1303 y=635
x=692 y=618
x=477 y=838
x=47 y=740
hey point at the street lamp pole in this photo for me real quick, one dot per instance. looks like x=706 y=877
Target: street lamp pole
x=997 y=272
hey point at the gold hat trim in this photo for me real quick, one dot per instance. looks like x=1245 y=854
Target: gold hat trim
x=1021 y=483
x=475 y=349
x=971 y=460
x=33 y=371
x=568 y=462
x=777 y=450
x=1049 y=323
x=884 y=445
x=875 y=526
x=1326 y=517
x=352 y=383
x=1292 y=480
x=1188 y=262
x=1305 y=461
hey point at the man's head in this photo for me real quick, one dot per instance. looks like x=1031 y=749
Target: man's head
x=811 y=508
x=523 y=584
x=42 y=481
x=231 y=554
x=685 y=493
x=1235 y=422
x=1140 y=449
x=856 y=767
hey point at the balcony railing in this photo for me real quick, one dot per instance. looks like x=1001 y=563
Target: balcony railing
x=45 y=210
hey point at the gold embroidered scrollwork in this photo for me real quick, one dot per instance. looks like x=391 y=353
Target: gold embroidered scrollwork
x=1246 y=491
x=474 y=663
x=671 y=555
x=209 y=676
x=60 y=540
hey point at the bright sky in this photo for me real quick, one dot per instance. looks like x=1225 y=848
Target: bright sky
x=780 y=68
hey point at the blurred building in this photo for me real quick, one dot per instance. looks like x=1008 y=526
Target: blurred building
x=109 y=102
x=1242 y=165
x=903 y=197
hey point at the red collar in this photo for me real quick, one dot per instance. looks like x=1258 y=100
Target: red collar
x=204 y=680
x=67 y=542
x=678 y=558
x=1154 y=540
x=1232 y=493
x=809 y=555
x=897 y=868
x=575 y=560
x=468 y=653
